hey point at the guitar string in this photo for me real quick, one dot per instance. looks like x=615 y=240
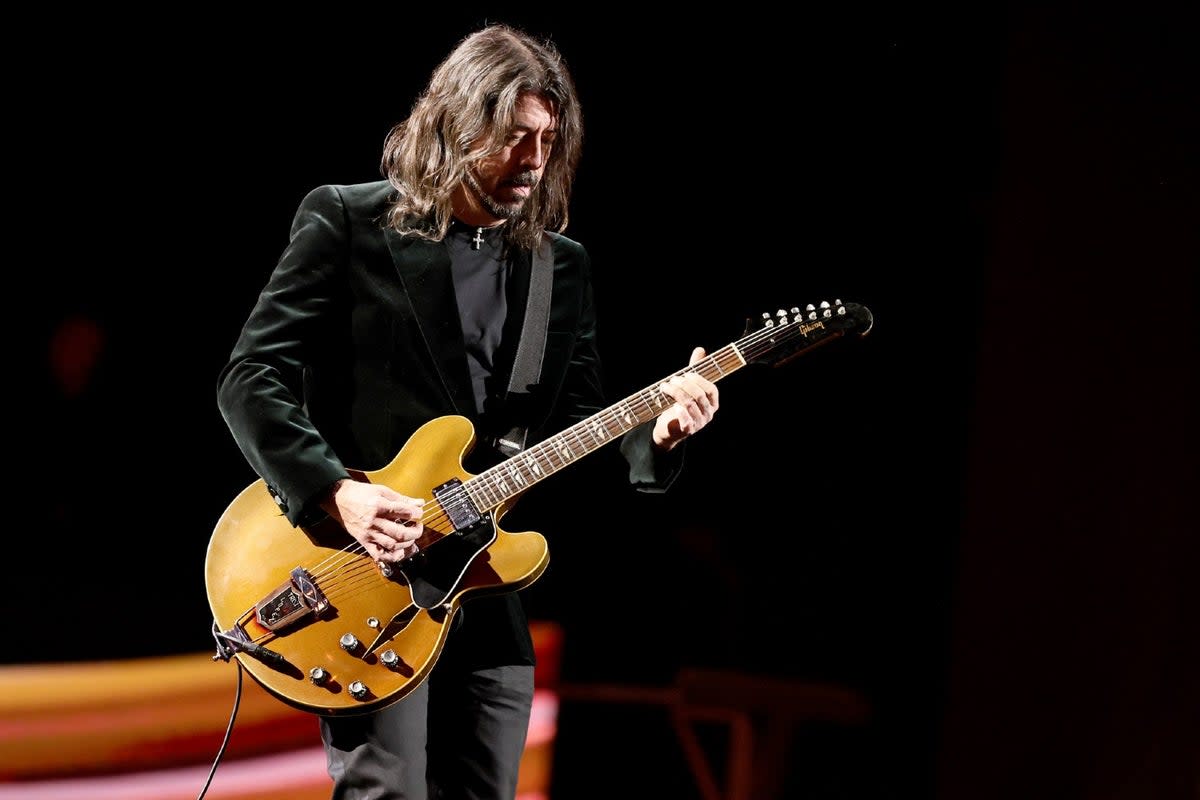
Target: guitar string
x=361 y=570
x=654 y=399
x=489 y=481
x=461 y=497
x=488 y=478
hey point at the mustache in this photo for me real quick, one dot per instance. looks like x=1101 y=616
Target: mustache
x=527 y=178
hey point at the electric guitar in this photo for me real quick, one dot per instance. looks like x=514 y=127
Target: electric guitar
x=319 y=625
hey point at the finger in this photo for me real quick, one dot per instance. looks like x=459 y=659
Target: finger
x=408 y=508
x=708 y=395
x=702 y=390
x=406 y=532
x=697 y=402
x=689 y=388
x=410 y=504
x=673 y=391
x=404 y=551
x=697 y=354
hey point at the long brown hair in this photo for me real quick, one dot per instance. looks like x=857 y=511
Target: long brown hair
x=471 y=97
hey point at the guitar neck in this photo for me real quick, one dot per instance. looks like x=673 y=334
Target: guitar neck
x=491 y=488
x=779 y=338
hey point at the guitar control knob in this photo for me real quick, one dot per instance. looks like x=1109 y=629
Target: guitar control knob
x=357 y=689
x=318 y=675
x=389 y=658
x=349 y=642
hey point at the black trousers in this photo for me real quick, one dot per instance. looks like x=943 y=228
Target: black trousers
x=458 y=736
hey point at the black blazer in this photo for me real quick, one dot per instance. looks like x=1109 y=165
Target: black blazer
x=355 y=341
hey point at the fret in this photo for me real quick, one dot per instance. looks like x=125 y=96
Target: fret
x=476 y=493
x=648 y=399
x=518 y=476
x=580 y=444
x=599 y=432
x=548 y=454
x=627 y=414
x=535 y=467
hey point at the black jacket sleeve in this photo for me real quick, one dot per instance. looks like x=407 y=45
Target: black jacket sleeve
x=260 y=390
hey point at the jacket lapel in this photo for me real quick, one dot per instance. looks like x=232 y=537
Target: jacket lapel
x=424 y=270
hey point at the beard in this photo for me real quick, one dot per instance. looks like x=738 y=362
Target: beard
x=498 y=208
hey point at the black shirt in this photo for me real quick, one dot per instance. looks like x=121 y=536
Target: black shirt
x=480 y=277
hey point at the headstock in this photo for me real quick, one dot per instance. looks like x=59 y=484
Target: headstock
x=777 y=338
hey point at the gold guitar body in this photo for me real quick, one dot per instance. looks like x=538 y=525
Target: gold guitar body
x=327 y=630
x=315 y=621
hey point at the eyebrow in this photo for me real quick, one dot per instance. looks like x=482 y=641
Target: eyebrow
x=519 y=127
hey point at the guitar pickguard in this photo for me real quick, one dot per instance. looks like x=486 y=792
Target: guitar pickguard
x=435 y=572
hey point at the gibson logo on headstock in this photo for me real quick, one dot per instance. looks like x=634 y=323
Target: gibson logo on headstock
x=810 y=326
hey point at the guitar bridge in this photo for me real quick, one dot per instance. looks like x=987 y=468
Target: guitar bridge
x=297 y=598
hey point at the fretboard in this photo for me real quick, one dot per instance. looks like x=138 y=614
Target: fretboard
x=491 y=488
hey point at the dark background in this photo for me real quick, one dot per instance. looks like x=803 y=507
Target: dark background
x=979 y=517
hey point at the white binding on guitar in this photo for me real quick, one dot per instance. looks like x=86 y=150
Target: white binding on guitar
x=312 y=618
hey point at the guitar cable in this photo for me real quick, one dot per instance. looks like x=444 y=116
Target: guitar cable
x=237 y=701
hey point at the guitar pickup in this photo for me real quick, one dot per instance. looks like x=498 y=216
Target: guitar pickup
x=297 y=598
x=457 y=504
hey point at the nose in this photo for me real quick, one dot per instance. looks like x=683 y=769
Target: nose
x=533 y=154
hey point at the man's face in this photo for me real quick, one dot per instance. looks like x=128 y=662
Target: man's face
x=501 y=183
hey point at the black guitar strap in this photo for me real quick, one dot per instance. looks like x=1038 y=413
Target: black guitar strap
x=527 y=366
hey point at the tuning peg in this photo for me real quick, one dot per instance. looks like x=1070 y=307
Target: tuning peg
x=795 y=312
x=767 y=321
